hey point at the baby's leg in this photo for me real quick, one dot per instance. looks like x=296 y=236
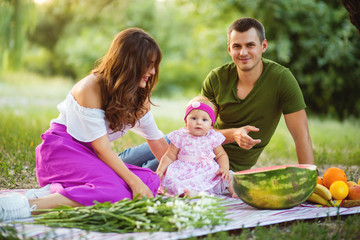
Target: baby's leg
x=231 y=186
x=189 y=193
x=231 y=190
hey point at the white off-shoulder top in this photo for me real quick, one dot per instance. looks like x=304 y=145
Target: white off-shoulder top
x=88 y=124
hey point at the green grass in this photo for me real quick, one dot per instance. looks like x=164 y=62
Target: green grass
x=328 y=228
x=28 y=103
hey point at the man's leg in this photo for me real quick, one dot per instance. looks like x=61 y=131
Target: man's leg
x=152 y=164
x=140 y=156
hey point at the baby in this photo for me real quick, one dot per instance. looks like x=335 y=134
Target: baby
x=195 y=160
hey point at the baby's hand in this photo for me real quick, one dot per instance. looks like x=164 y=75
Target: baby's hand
x=225 y=174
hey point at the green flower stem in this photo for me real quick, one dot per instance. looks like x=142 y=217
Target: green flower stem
x=140 y=214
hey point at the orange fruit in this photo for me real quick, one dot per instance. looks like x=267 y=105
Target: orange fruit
x=320 y=181
x=351 y=183
x=339 y=190
x=354 y=192
x=359 y=181
x=333 y=174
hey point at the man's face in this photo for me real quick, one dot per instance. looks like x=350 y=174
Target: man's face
x=246 y=49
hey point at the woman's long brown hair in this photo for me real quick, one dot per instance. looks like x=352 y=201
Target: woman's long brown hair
x=121 y=70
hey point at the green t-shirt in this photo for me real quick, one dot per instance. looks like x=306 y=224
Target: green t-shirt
x=275 y=92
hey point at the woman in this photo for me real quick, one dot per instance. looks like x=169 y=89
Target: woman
x=75 y=162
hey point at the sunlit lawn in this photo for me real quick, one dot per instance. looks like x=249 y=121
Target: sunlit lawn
x=28 y=103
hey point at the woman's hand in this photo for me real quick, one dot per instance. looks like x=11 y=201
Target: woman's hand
x=140 y=188
x=102 y=147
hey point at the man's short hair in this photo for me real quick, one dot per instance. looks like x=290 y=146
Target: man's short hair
x=244 y=24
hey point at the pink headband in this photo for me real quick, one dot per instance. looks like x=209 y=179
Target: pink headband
x=201 y=106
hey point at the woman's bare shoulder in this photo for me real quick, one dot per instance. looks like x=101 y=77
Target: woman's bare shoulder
x=87 y=92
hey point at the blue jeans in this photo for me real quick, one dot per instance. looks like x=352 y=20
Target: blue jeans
x=141 y=156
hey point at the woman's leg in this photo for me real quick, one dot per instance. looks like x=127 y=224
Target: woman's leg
x=16 y=206
x=74 y=170
x=52 y=201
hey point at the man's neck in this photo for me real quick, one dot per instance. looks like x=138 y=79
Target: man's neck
x=249 y=78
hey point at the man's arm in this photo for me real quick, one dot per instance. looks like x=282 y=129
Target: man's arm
x=298 y=127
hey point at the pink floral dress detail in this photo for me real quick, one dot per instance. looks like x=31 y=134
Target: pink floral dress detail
x=195 y=168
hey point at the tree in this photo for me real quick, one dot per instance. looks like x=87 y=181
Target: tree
x=314 y=38
x=17 y=17
x=317 y=42
x=353 y=7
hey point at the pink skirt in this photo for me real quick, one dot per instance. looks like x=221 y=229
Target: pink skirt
x=74 y=170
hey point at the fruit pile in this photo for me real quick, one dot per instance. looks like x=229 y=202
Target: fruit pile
x=333 y=187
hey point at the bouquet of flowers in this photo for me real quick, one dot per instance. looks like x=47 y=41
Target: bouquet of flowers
x=140 y=214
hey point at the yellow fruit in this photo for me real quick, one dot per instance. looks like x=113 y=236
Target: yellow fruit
x=315 y=198
x=351 y=183
x=333 y=174
x=359 y=181
x=339 y=190
x=323 y=192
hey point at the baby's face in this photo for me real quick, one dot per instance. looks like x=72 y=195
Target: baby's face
x=198 y=122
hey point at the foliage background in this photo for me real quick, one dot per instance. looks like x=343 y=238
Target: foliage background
x=314 y=38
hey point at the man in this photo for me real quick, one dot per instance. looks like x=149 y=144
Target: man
x=251 y=94
x=255 y=91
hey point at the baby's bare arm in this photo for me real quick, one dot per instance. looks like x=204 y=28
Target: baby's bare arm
x=223 y=160
x=169 y=157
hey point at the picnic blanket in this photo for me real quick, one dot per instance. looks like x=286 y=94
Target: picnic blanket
x=240 y=214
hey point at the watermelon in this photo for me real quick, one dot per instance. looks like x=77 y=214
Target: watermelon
x=276 y=187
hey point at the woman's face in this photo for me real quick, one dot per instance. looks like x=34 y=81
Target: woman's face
x=148 y=74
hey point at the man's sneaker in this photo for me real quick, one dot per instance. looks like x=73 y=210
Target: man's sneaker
x=38 y=193
x=14 y=206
